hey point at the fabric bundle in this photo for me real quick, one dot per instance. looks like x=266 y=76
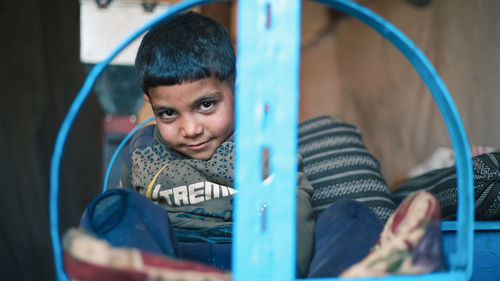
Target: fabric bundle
x=339 y=166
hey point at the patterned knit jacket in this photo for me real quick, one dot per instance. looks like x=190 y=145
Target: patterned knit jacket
x=197 y=194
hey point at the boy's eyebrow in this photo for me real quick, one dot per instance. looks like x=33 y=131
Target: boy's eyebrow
x=161 y=108
x=207 y=97
x=195 y=103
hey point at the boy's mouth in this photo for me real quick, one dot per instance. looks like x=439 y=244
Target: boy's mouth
x=198 y=146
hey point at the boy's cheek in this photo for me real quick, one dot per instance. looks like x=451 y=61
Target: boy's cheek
x=166 y=135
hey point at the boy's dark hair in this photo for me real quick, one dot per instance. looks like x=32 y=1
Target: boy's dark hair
x=186 y=48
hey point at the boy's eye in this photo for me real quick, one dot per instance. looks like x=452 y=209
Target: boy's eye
x=207 y=105
x=167 y=114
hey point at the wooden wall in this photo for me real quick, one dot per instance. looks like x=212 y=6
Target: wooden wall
x=351 y=72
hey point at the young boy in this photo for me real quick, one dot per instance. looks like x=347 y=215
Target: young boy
x=186 y=69
x=184 y=164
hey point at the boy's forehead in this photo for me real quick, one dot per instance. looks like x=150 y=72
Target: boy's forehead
x=191 y=91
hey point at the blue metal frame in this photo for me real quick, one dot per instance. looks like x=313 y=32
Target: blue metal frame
x=266 y=118
x=267 y=104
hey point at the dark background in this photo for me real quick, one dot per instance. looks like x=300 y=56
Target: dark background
x=41 y=74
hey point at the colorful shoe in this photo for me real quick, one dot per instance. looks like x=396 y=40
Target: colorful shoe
x=410 y=242
x=89 y=258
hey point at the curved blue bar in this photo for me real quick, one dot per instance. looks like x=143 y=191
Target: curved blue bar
x=462 y=259
x=70 y=118
x=119 y=148
x=478 y=225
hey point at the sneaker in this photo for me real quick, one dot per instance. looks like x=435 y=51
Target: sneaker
x=410 y=242
x=89 y=258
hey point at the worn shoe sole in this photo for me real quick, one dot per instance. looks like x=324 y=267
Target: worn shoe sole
x=410 y=242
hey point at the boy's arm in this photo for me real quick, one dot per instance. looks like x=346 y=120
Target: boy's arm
x=142 y=138
x=305 y=222
x=125 y=177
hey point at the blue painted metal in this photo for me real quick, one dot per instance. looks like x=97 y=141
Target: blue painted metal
x=266 y=118
x=486 y=250
x=486 y=262
x=438 y=276
x=478 y=225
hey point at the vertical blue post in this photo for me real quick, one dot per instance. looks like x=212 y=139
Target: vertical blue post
x=266 y=120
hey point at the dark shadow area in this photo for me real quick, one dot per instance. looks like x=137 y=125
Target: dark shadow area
x=41 y=74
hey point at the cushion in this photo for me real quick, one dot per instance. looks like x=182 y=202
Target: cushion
x=339 y=166
x=442 y=183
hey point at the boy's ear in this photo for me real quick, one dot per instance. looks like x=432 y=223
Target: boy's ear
x=146 y=98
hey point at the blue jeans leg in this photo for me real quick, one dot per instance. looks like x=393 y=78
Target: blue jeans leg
x=344 y=234
x=216 y=255
x=125 y=218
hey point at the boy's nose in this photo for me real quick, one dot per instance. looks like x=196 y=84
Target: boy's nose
x=191 y=127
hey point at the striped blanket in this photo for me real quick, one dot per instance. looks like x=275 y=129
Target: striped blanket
x=442 y=183
x=339 y=166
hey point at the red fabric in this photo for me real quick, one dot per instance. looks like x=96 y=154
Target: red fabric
x=119 y=124
x=83 y=261
x=153 y=260
x=81 y=270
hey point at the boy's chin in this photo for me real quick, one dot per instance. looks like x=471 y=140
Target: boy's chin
x=204 y=158
x=202 y=155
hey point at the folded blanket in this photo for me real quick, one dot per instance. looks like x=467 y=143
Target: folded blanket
x=442 y=183
x=339 y=166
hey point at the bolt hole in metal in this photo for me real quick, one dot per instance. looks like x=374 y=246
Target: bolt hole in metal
x=266 y=179
x=268 y=15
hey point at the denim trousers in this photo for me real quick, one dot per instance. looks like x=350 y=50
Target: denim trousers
x=344 y=232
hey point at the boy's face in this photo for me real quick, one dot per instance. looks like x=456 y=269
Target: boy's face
x=194 y=118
